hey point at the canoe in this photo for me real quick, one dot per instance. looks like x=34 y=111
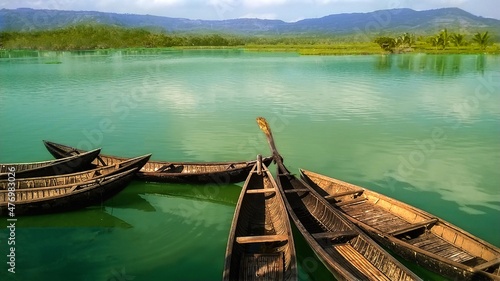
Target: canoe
x=177 y=172
x=34 y=201
x=413 y=234
x=73 y=178
x=342 y=247
x=260 y=244
x=66 y=165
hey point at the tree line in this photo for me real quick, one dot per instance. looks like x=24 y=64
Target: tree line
x=94 y=36
x=442 y=40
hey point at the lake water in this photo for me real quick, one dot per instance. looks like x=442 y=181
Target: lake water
x=424 y=129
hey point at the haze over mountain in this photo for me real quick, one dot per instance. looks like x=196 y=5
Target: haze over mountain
x=377 y=22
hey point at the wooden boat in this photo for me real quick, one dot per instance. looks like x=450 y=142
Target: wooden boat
x=410 y=232
x=66 y=165
x=179 y=172
x=33 y=201
x=73 y=178
x=260 y=244
x=343 y=248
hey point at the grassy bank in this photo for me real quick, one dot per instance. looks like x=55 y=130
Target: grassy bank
x=99 y=37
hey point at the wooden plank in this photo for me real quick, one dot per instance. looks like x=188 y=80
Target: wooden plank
x=350 y=192
x=263 y=190
x=353 y=201
x=261 y=239
x=296 y=190
x=485 y=265
x=335 y=234
x=360 y=262
x=262 y=267
x=413 y=226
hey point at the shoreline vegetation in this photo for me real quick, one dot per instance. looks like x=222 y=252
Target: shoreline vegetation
x=101 y=37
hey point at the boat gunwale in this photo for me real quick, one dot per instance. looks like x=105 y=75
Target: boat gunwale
x=320 y=250
x=232 y=239
x=418 y=212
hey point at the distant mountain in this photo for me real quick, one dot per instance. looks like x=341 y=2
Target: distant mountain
x=378 y=22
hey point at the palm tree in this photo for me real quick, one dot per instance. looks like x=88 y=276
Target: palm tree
x=406 y=40
x=458 y=39
x=481 y=39
x=444 y=38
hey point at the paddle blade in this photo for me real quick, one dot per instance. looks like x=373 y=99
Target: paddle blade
x=264 y=126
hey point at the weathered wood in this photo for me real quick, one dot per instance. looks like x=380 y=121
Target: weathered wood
x=311 y=213
x=67 y=164
x=260 y=244
x=70 y=179
x=350 y=202
x=340 y=194
x=177 y=172
x=485 y=265
x=413 y=226
x=35 y=201
x=297 y=190
x=335 y=235
x=262 y=190
x=440 y=247
x=261 y=239
x=262 y=267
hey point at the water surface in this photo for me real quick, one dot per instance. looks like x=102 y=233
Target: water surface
x=423 y=129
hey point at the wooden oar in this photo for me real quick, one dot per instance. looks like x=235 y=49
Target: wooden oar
x=264 y=126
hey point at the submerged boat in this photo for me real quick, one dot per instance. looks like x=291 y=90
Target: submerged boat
x=410 y=232
x=343 y=248
x=34 y=201
x=260 y=244
x=73 y=178
x=65 y=165
x=178 y=172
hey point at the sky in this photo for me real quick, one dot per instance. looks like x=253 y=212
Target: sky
x=287 y=10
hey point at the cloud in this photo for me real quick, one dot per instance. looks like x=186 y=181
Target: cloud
x=269 y=16
x=252 y=4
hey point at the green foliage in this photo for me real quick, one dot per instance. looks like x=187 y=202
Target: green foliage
x=458 y=39
x=94 y=36
x=482 y=39
x=398 y=44
x=386 y=43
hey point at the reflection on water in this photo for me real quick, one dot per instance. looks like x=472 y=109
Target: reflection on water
x=480 y=63
x=370 y=120
x=442 y=65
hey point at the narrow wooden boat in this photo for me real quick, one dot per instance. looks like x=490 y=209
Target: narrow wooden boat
x=34 y=201
x=410 y=232
x=179 y=172
x=73 y=178
x=65 y=165
x=260 y=244
x=344 y=249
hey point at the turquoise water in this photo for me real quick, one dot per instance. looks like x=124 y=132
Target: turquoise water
x=423 y=129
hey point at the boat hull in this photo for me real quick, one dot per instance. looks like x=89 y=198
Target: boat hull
x=173 y=172
x=65 y=165
x=413 y=234
x=260 y=244
x=65 y=198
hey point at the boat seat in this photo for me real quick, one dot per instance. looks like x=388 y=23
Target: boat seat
x=411 y=227
x=350 y=192
x=347 y=234
x=164 y=167
x=485 y=265
x=296 y=190
x=261 y=239
x=349 y=202
x=257 y=191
